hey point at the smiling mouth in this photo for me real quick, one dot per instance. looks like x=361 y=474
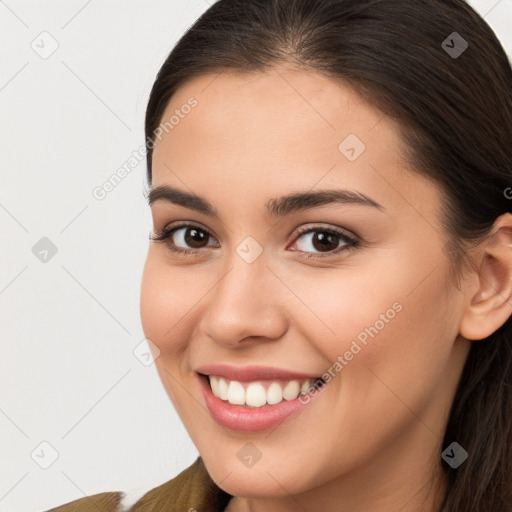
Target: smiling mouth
x=260 y=393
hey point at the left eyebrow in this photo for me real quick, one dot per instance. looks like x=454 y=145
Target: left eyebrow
x=276 y=207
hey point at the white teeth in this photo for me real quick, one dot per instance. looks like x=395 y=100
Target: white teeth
x=223 y=389
x=292 y=390
x=274 y=393
x=254 y=394
x=305 y=387
x=236 y=393
x=214 y=383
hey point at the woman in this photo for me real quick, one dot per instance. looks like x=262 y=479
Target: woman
x=327 y=291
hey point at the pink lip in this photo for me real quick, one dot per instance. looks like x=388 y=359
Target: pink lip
x=250 y=373
x=245 y=419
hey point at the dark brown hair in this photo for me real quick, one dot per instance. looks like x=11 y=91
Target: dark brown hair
x=455 y=117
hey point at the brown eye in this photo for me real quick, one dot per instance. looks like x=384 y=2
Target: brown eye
x=194 y=237
x=324 y=241
x=183 y=239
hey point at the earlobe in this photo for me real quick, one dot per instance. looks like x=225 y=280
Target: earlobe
x=489 y=307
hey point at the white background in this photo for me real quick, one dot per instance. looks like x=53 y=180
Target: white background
x=69 y=326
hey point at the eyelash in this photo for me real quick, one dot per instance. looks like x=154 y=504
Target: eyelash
x=166 y=233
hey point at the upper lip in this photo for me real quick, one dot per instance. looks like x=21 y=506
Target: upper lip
x=251 y=373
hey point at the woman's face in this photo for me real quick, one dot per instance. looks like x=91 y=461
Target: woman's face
x=378 y=319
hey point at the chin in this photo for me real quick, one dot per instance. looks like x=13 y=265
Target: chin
x=266 y=479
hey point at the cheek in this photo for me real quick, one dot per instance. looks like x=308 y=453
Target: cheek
x=386 y=304
x=345 y=307
x=162 y=304
x=168 y=298
x=398 y=325
x=165 y=300
x=397 y=373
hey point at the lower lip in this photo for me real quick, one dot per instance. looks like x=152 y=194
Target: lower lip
x=245 y=419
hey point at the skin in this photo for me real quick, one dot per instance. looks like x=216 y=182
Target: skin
x=372 y=439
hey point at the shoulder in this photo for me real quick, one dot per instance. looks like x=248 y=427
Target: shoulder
x=192 y=489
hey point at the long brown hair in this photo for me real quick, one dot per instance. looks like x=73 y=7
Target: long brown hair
x=452 y=96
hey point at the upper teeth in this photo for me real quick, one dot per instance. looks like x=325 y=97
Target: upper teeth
x=254 y=394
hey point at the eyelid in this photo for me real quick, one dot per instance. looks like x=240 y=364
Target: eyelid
x=325 y=227
x=184 y=224
x=351 y=241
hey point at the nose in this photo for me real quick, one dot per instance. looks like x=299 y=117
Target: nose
x=246 y=304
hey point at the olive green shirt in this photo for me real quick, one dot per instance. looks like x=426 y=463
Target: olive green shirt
x=192 y=490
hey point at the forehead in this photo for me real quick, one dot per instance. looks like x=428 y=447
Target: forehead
x=283 y=108
x=279 y=94
x=281 y=129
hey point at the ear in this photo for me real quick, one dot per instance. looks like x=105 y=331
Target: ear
x=489 y=286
